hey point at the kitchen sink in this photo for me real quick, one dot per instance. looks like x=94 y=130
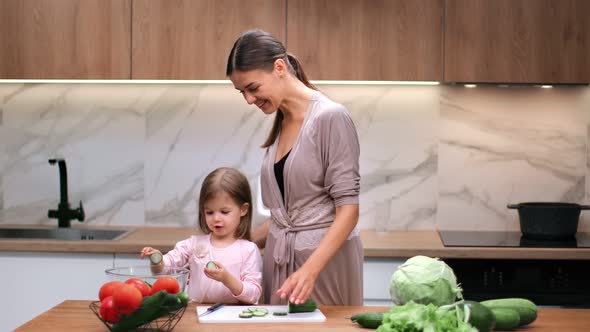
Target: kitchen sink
x=67 y=234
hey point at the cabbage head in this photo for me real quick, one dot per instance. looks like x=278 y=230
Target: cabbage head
x=424 y=280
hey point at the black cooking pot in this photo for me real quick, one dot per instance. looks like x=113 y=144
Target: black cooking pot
x=549 y=220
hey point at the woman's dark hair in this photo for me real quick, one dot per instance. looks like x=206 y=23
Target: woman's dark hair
x=257 y=49
x=235 y=184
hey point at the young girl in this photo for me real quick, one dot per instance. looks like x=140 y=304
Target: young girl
x=225 y=216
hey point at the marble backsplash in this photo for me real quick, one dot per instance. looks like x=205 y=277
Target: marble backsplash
x=445 y=157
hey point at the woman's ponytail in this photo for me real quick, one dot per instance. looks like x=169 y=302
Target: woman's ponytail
x=298 y=71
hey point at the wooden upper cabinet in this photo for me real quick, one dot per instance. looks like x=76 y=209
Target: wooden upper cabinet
x=65 y=39
x=367 y=39
x=521 y=41
x=191 y=39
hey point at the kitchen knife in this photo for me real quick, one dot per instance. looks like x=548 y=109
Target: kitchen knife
x=211 y=309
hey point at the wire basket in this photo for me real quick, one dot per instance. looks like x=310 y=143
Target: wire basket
x=161 y=324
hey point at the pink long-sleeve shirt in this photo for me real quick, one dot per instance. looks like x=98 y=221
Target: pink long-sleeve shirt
x=242 y=259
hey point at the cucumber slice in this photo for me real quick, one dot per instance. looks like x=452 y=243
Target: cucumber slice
x=252 y=309
x=246 y=315
x=262 y=310
x=211 y=265
x=280 y=313
x=259 y=313
x=156 y=258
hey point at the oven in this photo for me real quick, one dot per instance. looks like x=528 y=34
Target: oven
x=563 y=283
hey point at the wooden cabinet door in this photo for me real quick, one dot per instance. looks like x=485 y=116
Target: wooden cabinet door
x=191 y=39
x=522 y=41
x=65 y=39
x=367 y=39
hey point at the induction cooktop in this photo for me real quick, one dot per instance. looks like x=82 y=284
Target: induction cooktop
x=508 y=239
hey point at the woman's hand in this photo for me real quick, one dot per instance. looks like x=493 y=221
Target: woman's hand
x=299 y=286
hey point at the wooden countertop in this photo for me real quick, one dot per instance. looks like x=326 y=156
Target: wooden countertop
x=76 y=316
x=393 y=244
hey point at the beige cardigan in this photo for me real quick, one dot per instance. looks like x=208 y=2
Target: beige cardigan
x=320 y=173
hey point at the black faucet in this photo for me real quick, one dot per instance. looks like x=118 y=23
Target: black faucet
x=64 y=214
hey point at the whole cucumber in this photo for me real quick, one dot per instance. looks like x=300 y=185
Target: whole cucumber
x=527 y=310
x=481 y=317
x=309 y=306
x=148 y=311
x=370 y=320
x=506 y=319
x=171 y=303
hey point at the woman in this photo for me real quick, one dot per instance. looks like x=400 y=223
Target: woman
x=309 y=179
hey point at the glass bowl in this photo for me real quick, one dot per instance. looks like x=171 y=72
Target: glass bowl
x=149 y=274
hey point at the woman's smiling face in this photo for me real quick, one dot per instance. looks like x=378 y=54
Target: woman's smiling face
x=260 y=87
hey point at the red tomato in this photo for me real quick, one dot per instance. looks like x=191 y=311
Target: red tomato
x=144 y=288
x=107 y=289
x=127 y=299
x=108 y=311
x=166 y=283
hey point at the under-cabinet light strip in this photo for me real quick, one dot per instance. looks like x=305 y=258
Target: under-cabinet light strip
x=319 y=82
x=375 y=82
x=74 y=81
x=316 y=82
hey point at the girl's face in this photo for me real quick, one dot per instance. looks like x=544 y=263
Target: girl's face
x=223 y=215
x=260 y=87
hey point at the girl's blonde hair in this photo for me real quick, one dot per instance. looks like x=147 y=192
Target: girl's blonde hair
x=235 y=184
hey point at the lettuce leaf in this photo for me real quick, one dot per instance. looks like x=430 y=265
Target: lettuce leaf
x=413 y=317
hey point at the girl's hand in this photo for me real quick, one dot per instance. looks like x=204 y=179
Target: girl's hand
x=298 y=286
x=148 y=251
x=220 y=273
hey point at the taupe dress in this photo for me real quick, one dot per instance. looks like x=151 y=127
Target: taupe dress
x=320 y=173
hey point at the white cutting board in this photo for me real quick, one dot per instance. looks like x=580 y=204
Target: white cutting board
x=230 y=314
